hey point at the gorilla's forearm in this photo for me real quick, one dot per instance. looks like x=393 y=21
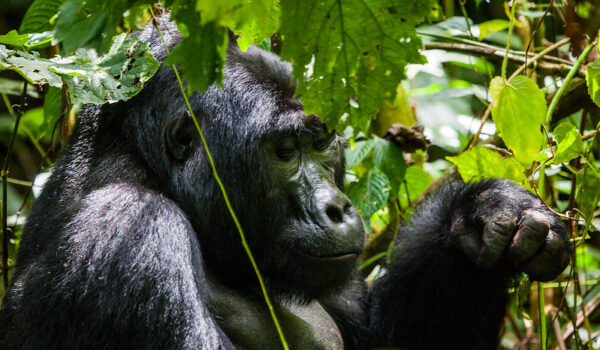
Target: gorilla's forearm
x=441 y=292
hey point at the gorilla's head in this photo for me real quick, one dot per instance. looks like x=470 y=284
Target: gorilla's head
x=282 y=170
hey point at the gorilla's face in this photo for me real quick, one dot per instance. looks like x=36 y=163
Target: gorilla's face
x=319 y=233
x=283 y=172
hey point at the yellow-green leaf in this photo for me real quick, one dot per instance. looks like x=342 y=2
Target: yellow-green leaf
x=519 y=110
x=481 y=163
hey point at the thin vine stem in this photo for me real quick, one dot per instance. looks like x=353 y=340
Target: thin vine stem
x=568 y=79
x=4 y=174
x=510 y=31
x=224 y=192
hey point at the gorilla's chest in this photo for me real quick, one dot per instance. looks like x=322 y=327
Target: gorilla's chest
x=248 y=324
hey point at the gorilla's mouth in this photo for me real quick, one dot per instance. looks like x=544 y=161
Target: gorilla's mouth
x=330 y=257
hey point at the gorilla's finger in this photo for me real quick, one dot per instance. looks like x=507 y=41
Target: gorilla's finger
x=496 y=236
x=550 y=261
x=530 y=237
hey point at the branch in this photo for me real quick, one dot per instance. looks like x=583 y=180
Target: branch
x=545 y=67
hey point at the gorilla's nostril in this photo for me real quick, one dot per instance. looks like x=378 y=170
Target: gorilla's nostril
x=335 y=214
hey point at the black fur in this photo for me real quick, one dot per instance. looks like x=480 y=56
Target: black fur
x=122 y=247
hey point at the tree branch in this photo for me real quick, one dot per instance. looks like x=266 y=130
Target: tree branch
x=545 y=67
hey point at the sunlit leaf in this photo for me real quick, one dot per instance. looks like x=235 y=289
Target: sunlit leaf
x=569 y=141
x=519 y=110
x=482 y=163
x=116 y=76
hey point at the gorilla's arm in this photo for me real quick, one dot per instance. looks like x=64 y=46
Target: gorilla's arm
x=446 y=287
x=126 y=274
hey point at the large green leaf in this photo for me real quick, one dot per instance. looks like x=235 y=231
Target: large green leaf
x=482 y=163
x=390 y=160
x=13 y=38
x=357 y=50
x=369 y=194
x=90 y=23
x=39 y=15
x=116 y=76
x=592 y=76
x=569 y=141
x=519 y=110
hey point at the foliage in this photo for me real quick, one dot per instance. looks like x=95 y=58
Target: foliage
x=349 y=58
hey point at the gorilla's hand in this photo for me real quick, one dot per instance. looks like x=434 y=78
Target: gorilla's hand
x=508 y=225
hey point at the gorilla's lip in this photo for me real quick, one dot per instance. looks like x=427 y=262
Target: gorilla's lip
x=342 y=256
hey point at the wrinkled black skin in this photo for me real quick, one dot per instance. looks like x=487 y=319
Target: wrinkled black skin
x=131 y=230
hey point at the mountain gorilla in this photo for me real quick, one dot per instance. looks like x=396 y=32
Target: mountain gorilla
x=131 y=245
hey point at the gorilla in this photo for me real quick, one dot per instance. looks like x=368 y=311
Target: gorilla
x=131 y=245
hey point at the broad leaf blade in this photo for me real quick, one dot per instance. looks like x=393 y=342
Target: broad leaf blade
x=116 y=76
x=569 y=141
x=519 y=110
x=358 y=50
x=482 y=163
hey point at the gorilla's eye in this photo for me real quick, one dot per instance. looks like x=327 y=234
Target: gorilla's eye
x=323 y=140
x=286 y=149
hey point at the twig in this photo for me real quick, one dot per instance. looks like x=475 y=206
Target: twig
x=591 y=306
x=539 y=23
x=497 y=53
x=557 y=330
x=4 y=174
x=539 y=55
x=19 y=182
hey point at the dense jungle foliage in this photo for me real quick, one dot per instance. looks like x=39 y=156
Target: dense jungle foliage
x=425 y=91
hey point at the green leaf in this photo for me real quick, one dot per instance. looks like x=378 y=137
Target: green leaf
x=116 y=76
x=482 y=163
x=369 y=194
x=14 y=39
x=359 y=152
x=519 y=110
x=569 y=141
x=253 y=20
x=358 y=50
x=91 y=23
x=416 y=180
x=492 y=26
x=389 y=159
x=592 y=76
x=258 y=28
x=39 y=16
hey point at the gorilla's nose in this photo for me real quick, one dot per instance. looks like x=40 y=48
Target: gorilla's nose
x=333 y=211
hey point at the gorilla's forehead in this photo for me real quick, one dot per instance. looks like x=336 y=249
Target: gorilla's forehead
x=260 y=87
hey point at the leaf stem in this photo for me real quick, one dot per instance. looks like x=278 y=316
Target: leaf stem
x=541 y=304
x=510 y=31
x=566 y=81
x=225 y=197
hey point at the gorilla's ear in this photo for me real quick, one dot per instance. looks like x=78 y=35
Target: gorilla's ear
x=181 y=136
